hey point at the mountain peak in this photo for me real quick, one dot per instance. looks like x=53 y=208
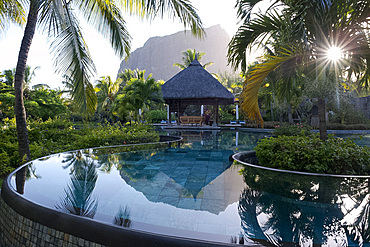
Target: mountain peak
x=158 y=54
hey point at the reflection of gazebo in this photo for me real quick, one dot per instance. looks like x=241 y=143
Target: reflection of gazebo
x=199 y=179
x=195 y=86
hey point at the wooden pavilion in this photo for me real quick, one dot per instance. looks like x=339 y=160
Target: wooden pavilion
x=195 y=86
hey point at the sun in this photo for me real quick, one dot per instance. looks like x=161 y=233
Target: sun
x=334 y=53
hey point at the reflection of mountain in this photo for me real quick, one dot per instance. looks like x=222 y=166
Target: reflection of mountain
x=191 y=179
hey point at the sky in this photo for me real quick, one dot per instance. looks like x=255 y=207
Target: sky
x=211 y=12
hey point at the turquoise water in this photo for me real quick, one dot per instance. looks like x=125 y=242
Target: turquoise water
x=194 y=190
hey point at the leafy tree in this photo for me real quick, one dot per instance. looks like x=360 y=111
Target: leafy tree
x=189 y=56
x=59 y=21
x=6 y=100
x=8 y=77
x=45 y=103
x=313 y=27
x=41 y=103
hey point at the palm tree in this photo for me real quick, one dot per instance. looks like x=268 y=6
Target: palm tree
x=314 y=26
x=139 y=93
x=72 y=57
x=189 y=56
x=106 y=92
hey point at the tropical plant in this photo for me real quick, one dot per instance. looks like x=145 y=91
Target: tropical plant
x=139 y=94
x=59 y=21
x=8 y=77
x=45 y=103
x=311 y=154
x=309 y=29
x=106 y=91
x=189 y=56
x=232 y=82
x=11 y=11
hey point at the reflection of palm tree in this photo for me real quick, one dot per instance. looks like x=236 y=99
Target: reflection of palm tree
x=123 y=217
x=77 y=197
x=359 y=231
x=297 y=208
x=106 y=162
x=248 y=214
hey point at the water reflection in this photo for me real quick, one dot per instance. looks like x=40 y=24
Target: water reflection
x=290 y=209
x=223 y=140
x=77 y=198
x=123 y=217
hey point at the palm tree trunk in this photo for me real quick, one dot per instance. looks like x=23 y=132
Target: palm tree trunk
x=322 y=119
x=19 y=110
x=290 y=117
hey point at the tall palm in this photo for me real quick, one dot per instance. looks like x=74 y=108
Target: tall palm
x=59 y=21
x=314 y=27
x=189 y=56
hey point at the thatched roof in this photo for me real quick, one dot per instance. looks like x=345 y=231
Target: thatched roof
x=195 y=83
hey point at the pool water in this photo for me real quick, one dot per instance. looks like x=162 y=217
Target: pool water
x=194 y=190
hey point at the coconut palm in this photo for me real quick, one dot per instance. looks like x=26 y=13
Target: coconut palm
x=313 y=27
x=189 y=56
x=72 y=58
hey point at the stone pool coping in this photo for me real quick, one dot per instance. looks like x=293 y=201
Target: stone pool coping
x=252 y=155
x=26 y=223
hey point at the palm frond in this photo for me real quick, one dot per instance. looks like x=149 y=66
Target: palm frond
x=181 y=9
x=254 y=33
x=73 y=59
x=11 y=11
x=255 y=79
x=108 y=20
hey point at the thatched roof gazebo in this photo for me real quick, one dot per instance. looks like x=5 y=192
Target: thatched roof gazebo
x=195 y=86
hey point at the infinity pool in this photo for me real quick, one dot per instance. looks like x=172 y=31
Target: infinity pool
x=194 y=190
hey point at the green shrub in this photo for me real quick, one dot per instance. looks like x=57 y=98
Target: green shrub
x=156 y=116
x=292 y=130
x=57 y=135
x=310 y=154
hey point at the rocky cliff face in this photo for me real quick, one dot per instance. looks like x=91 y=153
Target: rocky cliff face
x=158 y=54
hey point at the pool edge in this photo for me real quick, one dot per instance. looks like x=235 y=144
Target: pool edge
x=30 y=224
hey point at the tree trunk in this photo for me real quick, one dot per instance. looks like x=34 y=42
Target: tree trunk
x=19 y=110
x=290 y=117
x=322 y=119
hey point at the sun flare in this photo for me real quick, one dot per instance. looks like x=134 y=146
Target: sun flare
x=334 y=53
